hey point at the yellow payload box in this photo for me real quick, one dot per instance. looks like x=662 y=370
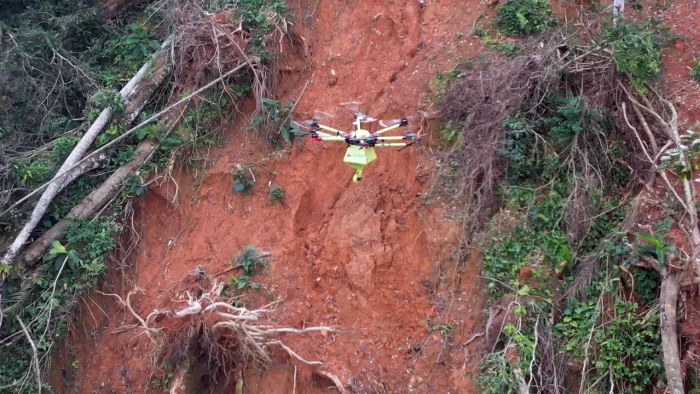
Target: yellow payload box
x=358 y=157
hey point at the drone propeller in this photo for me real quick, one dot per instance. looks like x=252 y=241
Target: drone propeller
x=392 y=122
x=313 y=122
x=318 y=115
x=304 y=124
x=354 y=106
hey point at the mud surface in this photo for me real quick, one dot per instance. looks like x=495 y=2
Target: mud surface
x=370 y=259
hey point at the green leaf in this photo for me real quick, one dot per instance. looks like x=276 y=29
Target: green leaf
x=57 y=248
x=652 y=239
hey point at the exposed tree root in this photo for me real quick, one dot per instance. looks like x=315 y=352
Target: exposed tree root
x=244 y=325
x=127 y=304
x=334 y=379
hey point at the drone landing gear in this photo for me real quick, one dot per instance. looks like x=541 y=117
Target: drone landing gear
x=358 y=176
x=358 y=157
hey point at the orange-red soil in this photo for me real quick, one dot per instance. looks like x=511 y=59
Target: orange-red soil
x=369 y=258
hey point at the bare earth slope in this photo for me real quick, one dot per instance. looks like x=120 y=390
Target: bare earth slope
x=368 y=258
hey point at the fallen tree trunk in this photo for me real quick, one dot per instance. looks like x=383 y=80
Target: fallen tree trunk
x=667 y=119
x=670 y=286
x=90 y=205
x=62 y=179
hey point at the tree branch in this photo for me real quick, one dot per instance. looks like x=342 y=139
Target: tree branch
x=35 y=357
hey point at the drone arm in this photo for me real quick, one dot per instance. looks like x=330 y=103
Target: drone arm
x=330 y=129
x=387 y=129
x=393 y=138
x=334 y=139
x=390 y=144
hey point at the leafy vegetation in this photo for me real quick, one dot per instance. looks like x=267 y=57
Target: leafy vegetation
x=163 y=383
x=275 y=122
x=535 y=230
x=46 y=302
x=63 y=65
x=250 y=260
x=695 y=71
x=276 y=194
x=523 y=17
x=637 y=50
x=505 y=47
x=241 y=182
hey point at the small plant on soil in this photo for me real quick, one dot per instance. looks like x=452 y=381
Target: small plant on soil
x=163 y=384
x=276 y=194
x=695 y=71
x=275 y=121
x=444 y=328
x=480 y=32
x=249 y=259
x=241 y=182
x=523 y=17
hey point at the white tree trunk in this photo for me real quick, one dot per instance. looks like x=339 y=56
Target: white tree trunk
x=670 y=287
x=90 y=204
x=62 y=179
x=618 y=10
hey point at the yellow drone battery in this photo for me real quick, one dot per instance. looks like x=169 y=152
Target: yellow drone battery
x=357 y=158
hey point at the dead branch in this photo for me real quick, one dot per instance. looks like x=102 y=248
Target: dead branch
x=35 y=357
x=670 y=279
x=89 y=206
x=127 y=133
x=292 y=353
x=67 y=172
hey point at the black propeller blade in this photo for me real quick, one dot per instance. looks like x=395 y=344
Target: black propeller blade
x=403 y=121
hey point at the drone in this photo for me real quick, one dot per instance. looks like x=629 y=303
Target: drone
x=361 y=142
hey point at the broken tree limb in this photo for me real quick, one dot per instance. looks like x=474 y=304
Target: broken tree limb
x=90 y=204
x=35 y=357
x=670 y=285
x=127 y=133
x=70 y=176
x=62 y=178
x=98 y=197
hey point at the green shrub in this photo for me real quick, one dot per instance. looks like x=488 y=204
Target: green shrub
x=695 y=71
x=637 y=51
x=523 y=17
x=517 y=148
x=276 y=194
x=507 y=48
x=449 y=132
x=480 y=32
x=249 y=259
x=630 y=348
x=241 y=182
x=275 y=121
x=537 y=236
